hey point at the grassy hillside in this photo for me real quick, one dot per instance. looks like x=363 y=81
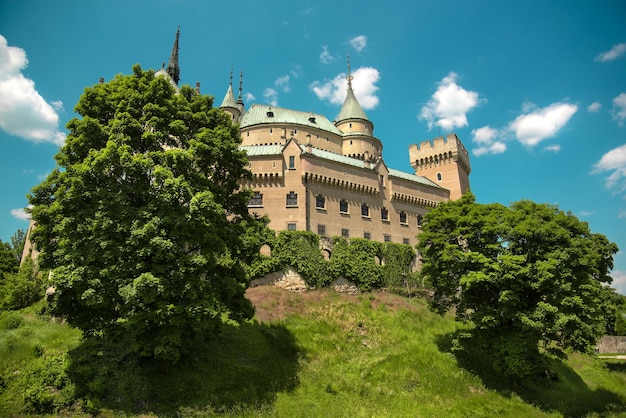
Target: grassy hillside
x=305 y=355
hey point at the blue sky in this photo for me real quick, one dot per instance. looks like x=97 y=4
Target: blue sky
x=536 y=90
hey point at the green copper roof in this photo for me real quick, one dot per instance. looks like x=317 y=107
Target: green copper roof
x=262 y=150
x=264 y=114
x=412 y=177
x=351 y=108
x=229 y=99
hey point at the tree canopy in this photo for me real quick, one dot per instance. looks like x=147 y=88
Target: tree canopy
x=143 y=221
x=529 y=276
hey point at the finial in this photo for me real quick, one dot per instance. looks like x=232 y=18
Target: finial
x=240 y=83
x=231 y=76
x=349 y=77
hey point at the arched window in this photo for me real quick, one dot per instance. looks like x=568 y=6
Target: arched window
x=439 y=177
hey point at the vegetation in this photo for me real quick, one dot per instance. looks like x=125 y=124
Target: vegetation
x=528 y=277
x=143 y=220
x=314 y=354
x=368 y=264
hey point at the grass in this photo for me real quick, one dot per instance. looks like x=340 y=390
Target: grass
x=314 y=354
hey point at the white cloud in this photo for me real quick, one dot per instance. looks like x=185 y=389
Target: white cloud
x=532 y=128
x=449 y=105
x=621 y=214
x=619 y=281
x=283 y=83
x=325 y=56
x=594 y=107
x=553 y=148
x=486 y=137
x=359 y=42
x=271 y=96
x=613 y=161
x=619 y=109
x=296 y=70
x=20 y=214
x=612 y=54
x=249 y=97
x=23 y=112
x=363 y=83
x=586 y=213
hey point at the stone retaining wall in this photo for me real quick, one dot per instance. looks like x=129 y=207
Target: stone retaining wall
x=611 y=344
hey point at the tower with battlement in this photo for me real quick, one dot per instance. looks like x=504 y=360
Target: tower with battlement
x=444 y=161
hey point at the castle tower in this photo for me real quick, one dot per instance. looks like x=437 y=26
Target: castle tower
x=357 y=129
x=172 y=68
x=229 y=104
x=444 y=161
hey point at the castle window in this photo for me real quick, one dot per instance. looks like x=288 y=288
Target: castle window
x=247 y=133
x=367 y=235
x=387 y=238
x=292 y=199
x=350 y=142
x=321 y=230
x=420 y=219
x=345 y=233
x=403 y=218
x=292 y=162
x=256 y=200
x=271 y=130
x=320 y=202
x=381 y=180
x=343 y=206
x=312 y=119
x=292 y=227
x=273 y=164
x=365 y=211
x=439 y=177
x=270 y=114
x=384 y=214
x=406 y=241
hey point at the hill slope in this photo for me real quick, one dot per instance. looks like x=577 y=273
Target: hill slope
x=319 y=353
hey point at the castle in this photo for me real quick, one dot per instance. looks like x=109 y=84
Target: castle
x=312 y=174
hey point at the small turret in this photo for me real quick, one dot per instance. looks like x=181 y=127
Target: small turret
x=357 y=129
x=229 y=104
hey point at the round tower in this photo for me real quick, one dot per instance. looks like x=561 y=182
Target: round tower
x=444 y=161
x=358 y=131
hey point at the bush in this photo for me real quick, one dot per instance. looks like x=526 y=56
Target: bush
x=21 y=289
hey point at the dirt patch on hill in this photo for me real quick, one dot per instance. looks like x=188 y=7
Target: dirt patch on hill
x=273 y=303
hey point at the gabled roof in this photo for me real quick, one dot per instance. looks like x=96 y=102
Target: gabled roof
x=264 y=114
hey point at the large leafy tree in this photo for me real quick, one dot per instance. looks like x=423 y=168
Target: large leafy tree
x=529 y=277
x=143 y=222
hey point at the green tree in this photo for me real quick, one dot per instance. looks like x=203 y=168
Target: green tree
x=529 y=277
x=8 y=264
x=143 y=222
x=17 y=244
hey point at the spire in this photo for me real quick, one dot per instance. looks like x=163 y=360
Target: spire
x=172 y=69
x=240 y=105
x=229 y=99
x=351 y=108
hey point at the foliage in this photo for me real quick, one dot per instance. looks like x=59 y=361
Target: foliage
x=8 y=264
x=21 y=289
x=143 y=221
x=613 y=310
x=530 y=271
x=17 y=244
x=356 y=260
x=397 y=269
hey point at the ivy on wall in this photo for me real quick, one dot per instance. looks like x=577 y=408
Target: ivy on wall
x=368 y=264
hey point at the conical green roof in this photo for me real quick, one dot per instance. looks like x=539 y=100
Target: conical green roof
x=229 y=98
x=351 y=108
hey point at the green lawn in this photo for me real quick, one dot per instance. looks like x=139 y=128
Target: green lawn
x=310 y=355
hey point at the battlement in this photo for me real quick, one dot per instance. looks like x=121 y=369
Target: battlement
x=439 y=150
